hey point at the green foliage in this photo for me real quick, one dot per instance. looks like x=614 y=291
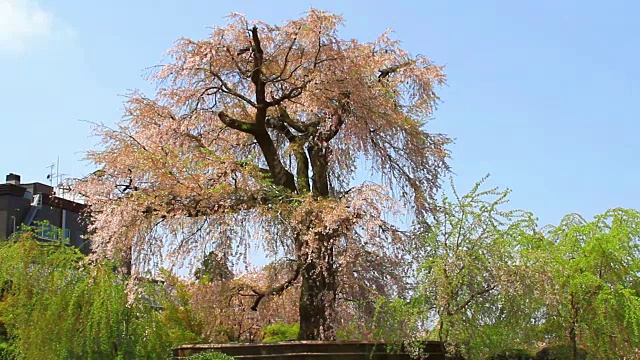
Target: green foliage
x=211 y=355
x=213 y=268
x=55 y=306
x=512 y=354
x=7 y=352
x=490 y=279
x=45 y=230
x=396 y=320
x=594 y=295
x=181 y=321
x=281 y=332
x=561 y=352
x=468 y=292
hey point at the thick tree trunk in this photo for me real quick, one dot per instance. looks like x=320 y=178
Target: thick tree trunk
x=318 y=294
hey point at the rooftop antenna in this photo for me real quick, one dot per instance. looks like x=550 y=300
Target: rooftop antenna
x=55 y=175
x=58 y=171
x=50 y=176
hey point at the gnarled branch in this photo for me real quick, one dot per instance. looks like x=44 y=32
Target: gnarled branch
x=294 y=124
x=277 y=290
x=236 y=124
x=278 y=125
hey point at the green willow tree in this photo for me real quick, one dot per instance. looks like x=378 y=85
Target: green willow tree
x=593 y=298
x=56 y=306
x=473 y=285
x=253 y=137
x=489 y=280
x=470 y=280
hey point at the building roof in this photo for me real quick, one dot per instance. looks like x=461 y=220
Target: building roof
x=48 y=198
x=11 y=189
x=65 y=204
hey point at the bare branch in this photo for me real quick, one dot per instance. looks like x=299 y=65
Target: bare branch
x=278 y=125
x=256 y=72
x=228 y=90
x=286 y=57
x=242 y=71
x=294 y=92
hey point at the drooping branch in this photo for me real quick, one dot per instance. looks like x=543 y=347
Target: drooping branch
x=337 y=116
x=244 y=71
x=286 y=57
x=227 y=89
x=196 y=206
x=471 y=298
x=277 y=290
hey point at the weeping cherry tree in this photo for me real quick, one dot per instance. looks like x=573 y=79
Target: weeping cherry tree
x=254 y=136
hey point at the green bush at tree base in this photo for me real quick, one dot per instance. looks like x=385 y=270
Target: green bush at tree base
x=281 y=332
x=511 y=354
x=210 y=355
x=561 y=352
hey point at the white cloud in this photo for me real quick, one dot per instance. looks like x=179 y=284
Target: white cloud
x=23 y=22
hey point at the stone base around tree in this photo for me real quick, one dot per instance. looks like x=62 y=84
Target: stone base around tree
x=325 y=350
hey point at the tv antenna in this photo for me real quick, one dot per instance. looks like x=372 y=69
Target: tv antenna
x=51 y=176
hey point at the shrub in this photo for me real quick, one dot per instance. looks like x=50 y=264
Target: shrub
x=281 y=332
x=561 y=352
x=512 y=354
x=210 y=355
x=6 y=351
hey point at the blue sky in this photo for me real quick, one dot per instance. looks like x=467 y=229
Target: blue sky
x=541 y=94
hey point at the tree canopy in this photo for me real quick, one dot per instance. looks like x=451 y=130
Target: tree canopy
x=256 y=134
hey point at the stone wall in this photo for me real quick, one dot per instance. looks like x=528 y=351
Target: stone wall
x=318 y=350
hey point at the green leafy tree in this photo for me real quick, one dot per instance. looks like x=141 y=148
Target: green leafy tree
x=182 y=321
x=593 y=300
x=56 y=306
x=472 y=289
x=214 y=267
